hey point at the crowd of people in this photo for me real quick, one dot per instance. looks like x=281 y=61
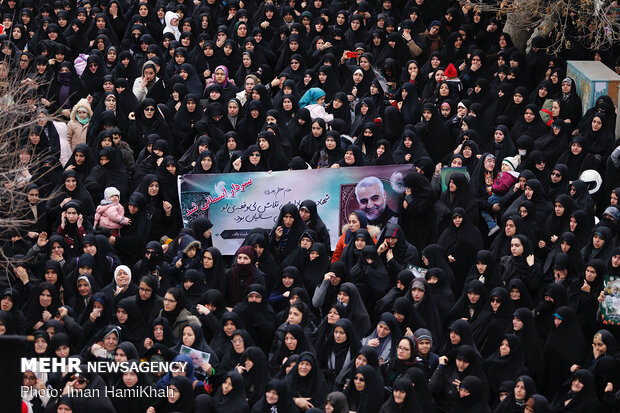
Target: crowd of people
x=483 y=296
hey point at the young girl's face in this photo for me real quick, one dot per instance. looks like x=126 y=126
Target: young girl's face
x=114 y=198
x=424 y=346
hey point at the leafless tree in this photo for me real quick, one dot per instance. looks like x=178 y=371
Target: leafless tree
x=595 y=24
x=19 y=162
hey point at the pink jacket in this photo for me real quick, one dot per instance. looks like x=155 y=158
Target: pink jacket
x=110 y=216
x=504 y=181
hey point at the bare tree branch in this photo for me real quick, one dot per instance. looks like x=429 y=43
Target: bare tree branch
x=18 y=161
x=595 y=24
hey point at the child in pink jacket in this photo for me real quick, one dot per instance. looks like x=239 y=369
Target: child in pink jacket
x=504 y=180
x=110 y=213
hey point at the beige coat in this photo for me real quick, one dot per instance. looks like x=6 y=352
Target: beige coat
x=76 y=132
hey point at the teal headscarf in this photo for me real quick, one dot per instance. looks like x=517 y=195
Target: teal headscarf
x=311 y=96
x=82 y=121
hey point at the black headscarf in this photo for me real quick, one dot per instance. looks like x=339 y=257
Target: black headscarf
x=355 y=309
x=288 y=241
x=489 y=328
x=33 y=309
x=564 y=347
x=602 y=141
x=434 y=133
x=312 y=385
x=535 y=128
x=584 y=400
x=500 y=368
x=368 y=400
x=415 y=151
x=427 y=307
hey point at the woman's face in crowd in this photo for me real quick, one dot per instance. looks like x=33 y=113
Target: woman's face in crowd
x=340 y=336
x=519 y=390
x=70 y=184
x=444 y=90
x=576 y=385
x=330 y=143
x=349 y=157
x=304 y=368
x=461 y=365
x=517 y=324
x=243 y=259
x=382 y=330
x=516 y=247
x=122 y=278
x=290 y=342
x=153 y=188
x=220 y=75
x=517 y=98
x=489 y=163
x=287 y=104
x=120 y=355
x=504 y=348
x=364 y=63
x=528 y=116
x=360 y=360
x=294 y=316
x=170 y=303
x=417 y=294
x=207 y=260
x=598 y=345
x=238 y=343
x=333 y=316
x=145 y=291
x=62 y=351
x=590 y=274
x=188 y=336
x=403 y=351
x=271 y=397
x=130 y=379
x=206 y=163
x=40 y=345
x=229 y=327
x=110 y=342
x=121 y=315
x=233 y=110
x=498 y=136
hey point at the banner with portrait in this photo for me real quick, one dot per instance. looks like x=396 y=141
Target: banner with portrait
x=610 y=307
x=446 y=174
x=236 y=203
